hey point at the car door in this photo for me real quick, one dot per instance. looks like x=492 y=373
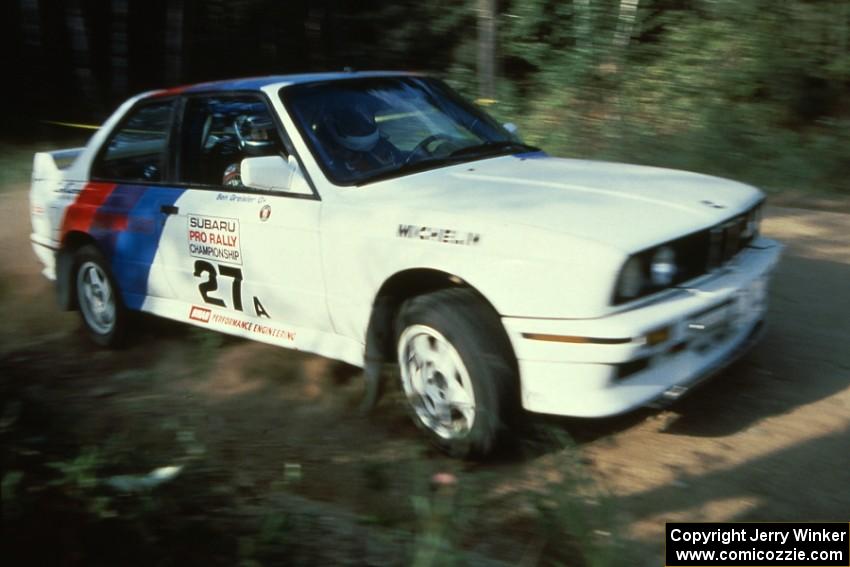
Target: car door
x=244 y=261
x=125 y=205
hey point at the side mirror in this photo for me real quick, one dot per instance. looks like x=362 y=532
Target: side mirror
x=273 y=173
x=512 y=130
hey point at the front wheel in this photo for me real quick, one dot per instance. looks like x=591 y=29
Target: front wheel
x=456 y=370
x=101 y=309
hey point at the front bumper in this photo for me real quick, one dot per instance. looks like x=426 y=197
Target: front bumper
x=651 y=353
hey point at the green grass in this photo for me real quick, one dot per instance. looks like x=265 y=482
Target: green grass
x=16 y=159
x=15 y=164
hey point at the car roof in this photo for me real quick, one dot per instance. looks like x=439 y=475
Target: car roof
x=259 y=83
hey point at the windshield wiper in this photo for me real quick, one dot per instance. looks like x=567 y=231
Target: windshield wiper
x=414 y=167
x=457 y=156
x=493 y=147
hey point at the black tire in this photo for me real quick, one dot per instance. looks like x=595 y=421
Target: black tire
x=88 y=263
x=475 y=332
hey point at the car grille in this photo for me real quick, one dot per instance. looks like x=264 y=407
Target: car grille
x=709 y=249
x=697 y=253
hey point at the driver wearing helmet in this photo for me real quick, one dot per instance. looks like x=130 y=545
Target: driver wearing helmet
x=352 y=137
x=256 y=137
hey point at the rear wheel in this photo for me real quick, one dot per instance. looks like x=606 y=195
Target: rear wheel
x=456 y=370
x=101 y=309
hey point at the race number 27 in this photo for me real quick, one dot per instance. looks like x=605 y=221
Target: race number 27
x=210 y=284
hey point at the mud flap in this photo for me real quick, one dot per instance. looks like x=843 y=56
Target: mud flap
x=378 y=345
x=373 y=387
x=64 y=289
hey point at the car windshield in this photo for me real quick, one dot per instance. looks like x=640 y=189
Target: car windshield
x=363 y=130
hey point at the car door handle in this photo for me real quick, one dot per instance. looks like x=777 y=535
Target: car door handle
x=169 y=209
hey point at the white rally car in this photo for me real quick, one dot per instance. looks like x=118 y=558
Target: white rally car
x=372 y=217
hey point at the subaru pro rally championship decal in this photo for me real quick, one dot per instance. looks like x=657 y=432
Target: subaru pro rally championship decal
x=215 y=238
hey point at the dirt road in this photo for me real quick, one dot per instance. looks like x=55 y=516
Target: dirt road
x=769 y=440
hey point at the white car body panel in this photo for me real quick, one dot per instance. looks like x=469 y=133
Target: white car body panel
x=541 y=239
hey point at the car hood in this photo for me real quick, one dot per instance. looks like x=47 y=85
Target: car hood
x=628 y=207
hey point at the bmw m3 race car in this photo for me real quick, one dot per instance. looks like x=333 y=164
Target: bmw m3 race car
x=380 y=218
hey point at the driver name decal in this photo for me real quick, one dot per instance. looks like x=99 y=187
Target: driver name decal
x=214 y=238
x=434 y=234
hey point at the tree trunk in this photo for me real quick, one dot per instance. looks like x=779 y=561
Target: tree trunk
x=31 y=21
x=78 y=32
x=32 y=57
x=174 y=42
x=118 y=59
x=626 y=22
x=486 y=49
x=582 y=19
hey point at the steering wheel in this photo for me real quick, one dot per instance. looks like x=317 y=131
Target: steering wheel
x=422 y=147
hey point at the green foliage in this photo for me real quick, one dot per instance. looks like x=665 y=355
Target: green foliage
x=206 y=345
x=16 y=158
x=269 y=544
x=752 y=90
x=575 y=510
x=15 y=165
x=80 y=473
x=10 y=484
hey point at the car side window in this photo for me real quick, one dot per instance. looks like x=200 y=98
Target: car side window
x=136 y=150
x=218 y=132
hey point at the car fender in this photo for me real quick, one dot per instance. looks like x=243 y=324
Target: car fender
x=521 y=271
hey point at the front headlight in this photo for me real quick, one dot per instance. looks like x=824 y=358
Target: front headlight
x=647 y=272
x=662 y=270
x=750 y=226
x=757 y=214
x=631 y=279
x=753 y=223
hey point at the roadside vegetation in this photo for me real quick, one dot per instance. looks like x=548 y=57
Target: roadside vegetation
x=755 y=90
x=159 y=489
x=16 y=158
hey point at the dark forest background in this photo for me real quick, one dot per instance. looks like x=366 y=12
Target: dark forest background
x=752 y=89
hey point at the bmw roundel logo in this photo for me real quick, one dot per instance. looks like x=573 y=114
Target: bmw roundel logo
x=265 y=213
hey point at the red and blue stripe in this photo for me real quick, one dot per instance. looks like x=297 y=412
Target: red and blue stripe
x=126 y=222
